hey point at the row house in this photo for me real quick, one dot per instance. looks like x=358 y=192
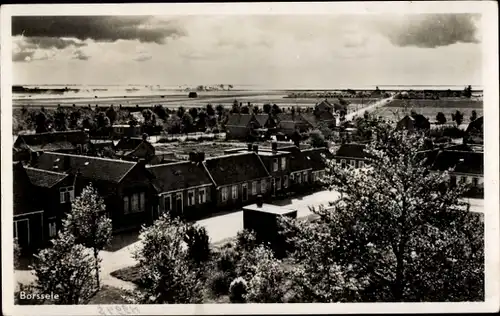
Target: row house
x=318 y=161
x=242 y=126
x=183 y=188
x=238 y=179
x=125 y=186
x=465 y=167
x=351 y=154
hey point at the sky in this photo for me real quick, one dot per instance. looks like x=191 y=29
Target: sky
x=277 y=51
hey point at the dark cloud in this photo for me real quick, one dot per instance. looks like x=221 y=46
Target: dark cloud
x=51 y=42
x=98 y=28
x=431 y=30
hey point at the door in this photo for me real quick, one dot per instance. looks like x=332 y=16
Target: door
x=244 y=188
x=22 y=232
x=179 y=206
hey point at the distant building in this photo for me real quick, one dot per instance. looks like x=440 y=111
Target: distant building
x=74 y=142
x=288 y=123
x=412 y=123
x=242 y=126
x=121 y=130
x=351 y=154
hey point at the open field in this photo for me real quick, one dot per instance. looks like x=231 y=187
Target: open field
x=450 y=104
x=392 y=113
x=175 y=101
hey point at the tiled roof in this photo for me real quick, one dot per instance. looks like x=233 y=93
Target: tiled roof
x=236 y=168
x=462 y=161
x=104 y=169
x=241 y=120
x=262 y=119
x=298 y=159
x=129 y=142
x=55 y=146
x=24 y=194
x=178 y=175
x=44 y=178
x=74 y=137
x=352 y=151
x=315 y=158
x=297 y=117
x=476 y=126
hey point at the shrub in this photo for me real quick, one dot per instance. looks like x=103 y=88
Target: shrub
x=198 y=243
x=238 y=290
x=245 y=241
x=218 y=283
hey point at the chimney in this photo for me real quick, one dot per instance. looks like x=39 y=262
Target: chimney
x=196 y=156
x=256 y=148
x=274 y=146
x=201 y=156
x=249 y=147
x=260 y=201
x=192 y=156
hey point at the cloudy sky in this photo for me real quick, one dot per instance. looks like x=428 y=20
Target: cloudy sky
x=274 y=50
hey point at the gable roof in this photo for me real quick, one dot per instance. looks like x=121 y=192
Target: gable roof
x=298 y=160
x=476 y=126
x=42 y=139
x=462 y=161
x=289 y=117
x=238 y=119
x=315 y=159
x=236 y=168
x=111 y=170
x=262 y=119
x=24 y=194
x=129 y=143
x=178 y=175
x=352 y=151
x=45 y=178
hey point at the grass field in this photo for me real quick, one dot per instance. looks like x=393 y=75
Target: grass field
x=451 y=104
x=393 y=113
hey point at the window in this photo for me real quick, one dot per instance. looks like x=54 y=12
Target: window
x=191 y=200
x=475 y=181
x=234 y=192
x=283 y=163
x=224 y=194
x=52 y=227
x=263 y=186
x=254 y=188
x=202 y=195
x=126 y=205
x=67 y=194
x=361 y=163
x=134 y=203
x=278 y=183
x=167 y=202
x=275 y=164
x=353 y=163
x=291 y=177
x=299 y=177
x=285 y=181
x=142 y=199
x=342 y=162
x=305 y=177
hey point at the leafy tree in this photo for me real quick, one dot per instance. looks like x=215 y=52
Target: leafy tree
x=210 y=110
x=238 y=290
x=164 y=265
x=198 y=243
x=458 y=117
x=187 y=122
x=395 y=234
x=59 y=119
x=467 y=92
x=201 y=123
x=245 y=110
x=275 y=109
x=17 y=253
x=74 y=117
x=473 y=116
x=66 y=269
x=89 y=224
x=441 y=118
x=236 y=107
x=180 y=111
x=317 y=139
x=193 y=112
x=161 y=112
x=220 y=110
x=41 y=122
x=266 y=108
x=111 y=114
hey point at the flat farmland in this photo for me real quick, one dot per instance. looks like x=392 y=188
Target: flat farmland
x=393 y=113
x=454 y=104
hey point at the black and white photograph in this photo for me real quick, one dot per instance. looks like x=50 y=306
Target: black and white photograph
x=209 y=158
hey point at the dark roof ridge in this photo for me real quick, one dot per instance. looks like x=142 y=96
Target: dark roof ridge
x=91 y=157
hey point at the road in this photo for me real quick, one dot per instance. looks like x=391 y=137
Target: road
x=370 y=107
